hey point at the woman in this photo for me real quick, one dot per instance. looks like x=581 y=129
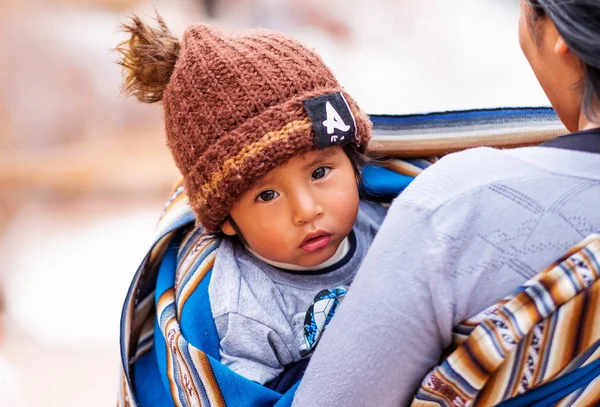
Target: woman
x=469 y=230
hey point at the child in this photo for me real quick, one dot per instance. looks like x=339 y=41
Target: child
x=270 y=147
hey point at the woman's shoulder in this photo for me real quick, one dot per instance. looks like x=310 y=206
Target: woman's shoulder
x=459 y=174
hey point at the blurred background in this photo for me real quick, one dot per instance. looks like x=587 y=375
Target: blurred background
x=84 y=172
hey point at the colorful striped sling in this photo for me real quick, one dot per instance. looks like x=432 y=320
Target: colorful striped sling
x=169 y=344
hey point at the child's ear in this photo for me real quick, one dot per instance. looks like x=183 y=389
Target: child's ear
x=227 y=228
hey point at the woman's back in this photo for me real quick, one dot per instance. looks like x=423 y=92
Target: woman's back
x=466 y=233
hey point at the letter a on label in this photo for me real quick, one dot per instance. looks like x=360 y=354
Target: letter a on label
x=334 y=120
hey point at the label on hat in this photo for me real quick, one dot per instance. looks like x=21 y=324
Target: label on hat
x=332 y=119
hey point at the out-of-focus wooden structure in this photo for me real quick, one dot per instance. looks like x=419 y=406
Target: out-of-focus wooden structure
x=134 y=165
x=64 y=130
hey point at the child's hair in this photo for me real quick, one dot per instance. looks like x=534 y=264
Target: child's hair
x=578 y=22
x=233 y=105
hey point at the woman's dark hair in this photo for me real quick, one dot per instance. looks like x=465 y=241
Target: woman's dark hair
x=578 y=22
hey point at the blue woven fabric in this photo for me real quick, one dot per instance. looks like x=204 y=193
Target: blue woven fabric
x=381 y=182
x=552 y=392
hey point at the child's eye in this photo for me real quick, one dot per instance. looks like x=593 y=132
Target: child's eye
x=320 y=172
x=267 y=196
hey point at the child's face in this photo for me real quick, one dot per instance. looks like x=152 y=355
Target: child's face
x=300 y=212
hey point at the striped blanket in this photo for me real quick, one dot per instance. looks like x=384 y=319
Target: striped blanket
x=169 y=344
x=437 y=134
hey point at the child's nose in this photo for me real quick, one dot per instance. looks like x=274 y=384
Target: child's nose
x=306 y=208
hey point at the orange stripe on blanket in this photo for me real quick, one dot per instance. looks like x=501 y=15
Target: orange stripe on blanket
x=213 y=391
x=195 y=280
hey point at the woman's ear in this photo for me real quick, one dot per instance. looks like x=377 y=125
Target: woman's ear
x=560 y=47
x=227 y=228
x=562 y=50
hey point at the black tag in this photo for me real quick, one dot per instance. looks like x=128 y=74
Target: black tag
x=332 y=120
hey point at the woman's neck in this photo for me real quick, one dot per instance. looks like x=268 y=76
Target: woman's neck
x=586 y=124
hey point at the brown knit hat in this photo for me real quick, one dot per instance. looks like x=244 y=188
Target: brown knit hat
x=236 y=106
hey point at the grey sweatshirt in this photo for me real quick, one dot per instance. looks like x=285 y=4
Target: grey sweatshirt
x=466 y=233
x=260 y=310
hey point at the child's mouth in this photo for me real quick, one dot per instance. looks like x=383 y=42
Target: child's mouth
x=315 y=241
